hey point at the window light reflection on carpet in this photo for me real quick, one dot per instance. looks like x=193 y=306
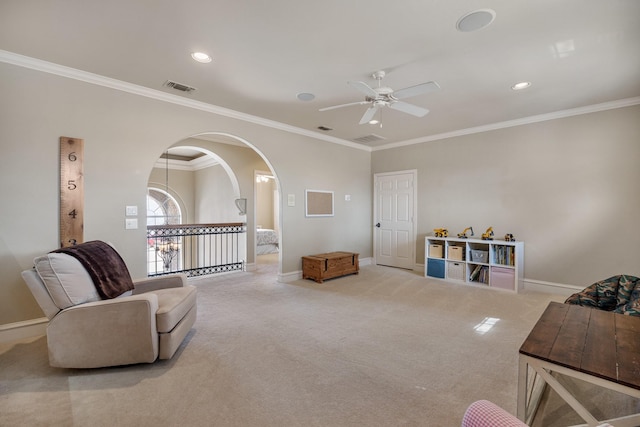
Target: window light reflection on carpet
x=486 y=325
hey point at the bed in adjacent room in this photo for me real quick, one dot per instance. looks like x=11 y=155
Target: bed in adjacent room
x=266 y=241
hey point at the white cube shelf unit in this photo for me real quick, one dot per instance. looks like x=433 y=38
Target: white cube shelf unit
x=495 y=264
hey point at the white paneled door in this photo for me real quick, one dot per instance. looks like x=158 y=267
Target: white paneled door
x=394 y=237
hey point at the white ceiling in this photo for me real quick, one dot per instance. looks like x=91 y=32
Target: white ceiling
x=576 y=53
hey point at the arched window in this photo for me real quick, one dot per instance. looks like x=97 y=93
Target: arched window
x=162 y=208
x=162 y=253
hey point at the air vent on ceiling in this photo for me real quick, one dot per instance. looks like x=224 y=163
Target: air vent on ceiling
x=179 y=86
x=369 y=138
x=324 y=128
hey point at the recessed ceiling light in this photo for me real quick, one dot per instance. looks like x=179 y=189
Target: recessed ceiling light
x=521 y=85
x=201 y=57
x=476 y=20
x=374 y=122
x=303 y=96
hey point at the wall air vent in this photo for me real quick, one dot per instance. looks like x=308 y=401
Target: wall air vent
x=369 y=138
x=179 y=86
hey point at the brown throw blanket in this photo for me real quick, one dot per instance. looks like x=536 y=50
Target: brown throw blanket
x=107 y=269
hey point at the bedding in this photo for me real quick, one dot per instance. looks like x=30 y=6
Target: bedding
x=266 y=241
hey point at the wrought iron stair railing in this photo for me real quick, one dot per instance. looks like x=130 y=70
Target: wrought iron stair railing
x=196 y=249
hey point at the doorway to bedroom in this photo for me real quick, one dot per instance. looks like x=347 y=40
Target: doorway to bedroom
x=267 y=204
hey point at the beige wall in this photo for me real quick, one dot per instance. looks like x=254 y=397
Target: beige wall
x=124 y=136
x=264 y=204
x=569 y=188
x=215 y=197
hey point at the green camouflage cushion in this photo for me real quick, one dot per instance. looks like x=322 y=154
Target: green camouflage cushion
x=620 y=294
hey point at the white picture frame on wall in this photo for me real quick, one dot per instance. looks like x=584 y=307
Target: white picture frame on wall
x=318 y=203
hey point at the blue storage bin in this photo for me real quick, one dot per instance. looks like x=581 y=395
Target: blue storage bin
x=435 y=268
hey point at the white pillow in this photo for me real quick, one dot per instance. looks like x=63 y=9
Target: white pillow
x=66 y=280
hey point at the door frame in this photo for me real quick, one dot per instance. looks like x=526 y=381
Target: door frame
x=414 y=237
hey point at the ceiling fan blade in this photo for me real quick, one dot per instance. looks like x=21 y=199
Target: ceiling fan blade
x=343 y=105
x=364 y=88
x=408 y=92
x=368 y=115
x=414 y=110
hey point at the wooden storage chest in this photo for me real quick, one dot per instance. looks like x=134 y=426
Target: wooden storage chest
x=327 y=266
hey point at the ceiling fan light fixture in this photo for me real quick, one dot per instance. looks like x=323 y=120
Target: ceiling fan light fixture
x=521 y=85
x=476 y=20
x=201 y=57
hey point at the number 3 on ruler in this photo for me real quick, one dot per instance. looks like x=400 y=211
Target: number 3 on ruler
x=71 y=191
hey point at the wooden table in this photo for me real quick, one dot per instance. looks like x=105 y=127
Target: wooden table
x=600 y=347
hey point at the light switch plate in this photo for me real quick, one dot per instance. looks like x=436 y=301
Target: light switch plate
x=291 y=200
x=131 y=223
x=132 y=210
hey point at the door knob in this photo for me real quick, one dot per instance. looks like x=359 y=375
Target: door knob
x=378 y=225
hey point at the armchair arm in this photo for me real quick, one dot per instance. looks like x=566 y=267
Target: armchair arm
x=118 y=331
x=161 y=282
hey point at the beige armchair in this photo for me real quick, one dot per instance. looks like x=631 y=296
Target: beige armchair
x=86 y=331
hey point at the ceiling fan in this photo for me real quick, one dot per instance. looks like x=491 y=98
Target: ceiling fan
x=383 y=96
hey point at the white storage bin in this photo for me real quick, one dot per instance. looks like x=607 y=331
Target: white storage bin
x=456 y=271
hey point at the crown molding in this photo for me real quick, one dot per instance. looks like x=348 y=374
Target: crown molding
x=627 y=102
x=96 y=79
x=84 y=76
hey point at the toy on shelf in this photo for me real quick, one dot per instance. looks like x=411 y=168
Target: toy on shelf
x=509 y=238
x=488 y=235
x=463 y=235
x=441 y=232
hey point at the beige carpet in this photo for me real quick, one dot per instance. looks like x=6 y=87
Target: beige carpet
x=386 y=347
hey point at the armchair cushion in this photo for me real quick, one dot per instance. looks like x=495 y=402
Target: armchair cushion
x=66 y=280
x=173 y=305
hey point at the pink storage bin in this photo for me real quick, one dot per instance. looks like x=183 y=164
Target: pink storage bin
x=502 y=278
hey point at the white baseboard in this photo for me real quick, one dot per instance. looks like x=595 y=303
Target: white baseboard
x=550 y=287
x=366 y=261
x=22 y=330
x=290 y=277
x=528 y=284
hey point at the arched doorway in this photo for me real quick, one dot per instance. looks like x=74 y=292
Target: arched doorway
x=221 y=170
